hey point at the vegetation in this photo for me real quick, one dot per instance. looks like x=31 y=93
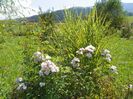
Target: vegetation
x=130 y=19
x=113 y=11
x=77 y=58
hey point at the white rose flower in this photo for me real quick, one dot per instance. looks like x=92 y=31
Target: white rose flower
x=41 y=84
x=89 y=55
x=108 y=55
x=105 y=52
x=19 y=80
x=47 y=72
x=80 y=51
x=113 y=69
x=22 y=86
x=41 y=73
x=108 y=59
x=52 y=66
x=48 y=67
x=75 y=62
x=38 y=57
x=44 y=66
x=54 y=69
x=90 y=49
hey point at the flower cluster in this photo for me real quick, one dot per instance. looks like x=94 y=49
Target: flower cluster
x=75 y=62
x=38 y=57
x=22 y=85
x=80 y=51
x=48 y=67
x=113 y=69
x=89 y=50
x=41 y=84
x=106 y=54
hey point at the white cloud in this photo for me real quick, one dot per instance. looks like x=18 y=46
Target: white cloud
x=24 y=8
x=21 y=8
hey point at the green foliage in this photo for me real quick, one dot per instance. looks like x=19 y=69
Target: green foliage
x=1 y=39
x=88 y=80
x=91 y=79
x=126 y=31
x=121 y=50
x=10 y=64
x=46 y=22
x=113 y=10
x=130 y=19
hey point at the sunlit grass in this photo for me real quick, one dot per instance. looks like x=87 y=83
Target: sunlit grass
x=122 y=52
x=10 y=63
x=130 y=19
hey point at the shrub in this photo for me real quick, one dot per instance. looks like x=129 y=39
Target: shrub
x=126 y=31
x=1 y=39
x=77 y=68
x=113 y=11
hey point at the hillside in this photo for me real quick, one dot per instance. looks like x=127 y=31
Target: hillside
x=59 y=14
x=128 y=7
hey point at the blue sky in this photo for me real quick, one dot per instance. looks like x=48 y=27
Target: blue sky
x=33 y=5
x=60 y=4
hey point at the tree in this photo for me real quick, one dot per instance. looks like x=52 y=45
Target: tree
x=113 y=11
x=14 y=8
x=6 y=6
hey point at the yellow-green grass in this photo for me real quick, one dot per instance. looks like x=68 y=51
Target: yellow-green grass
x=130 y=19
x=11 y=58
x=10 y=63
x=122 y=53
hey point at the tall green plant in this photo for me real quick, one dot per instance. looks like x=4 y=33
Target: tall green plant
x=82 y=69
x=46 y=22
x=114 y=11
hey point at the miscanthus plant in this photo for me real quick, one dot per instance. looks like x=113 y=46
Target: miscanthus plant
x=80 y=67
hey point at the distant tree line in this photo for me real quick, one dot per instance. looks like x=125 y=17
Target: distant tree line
x=129 y=13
